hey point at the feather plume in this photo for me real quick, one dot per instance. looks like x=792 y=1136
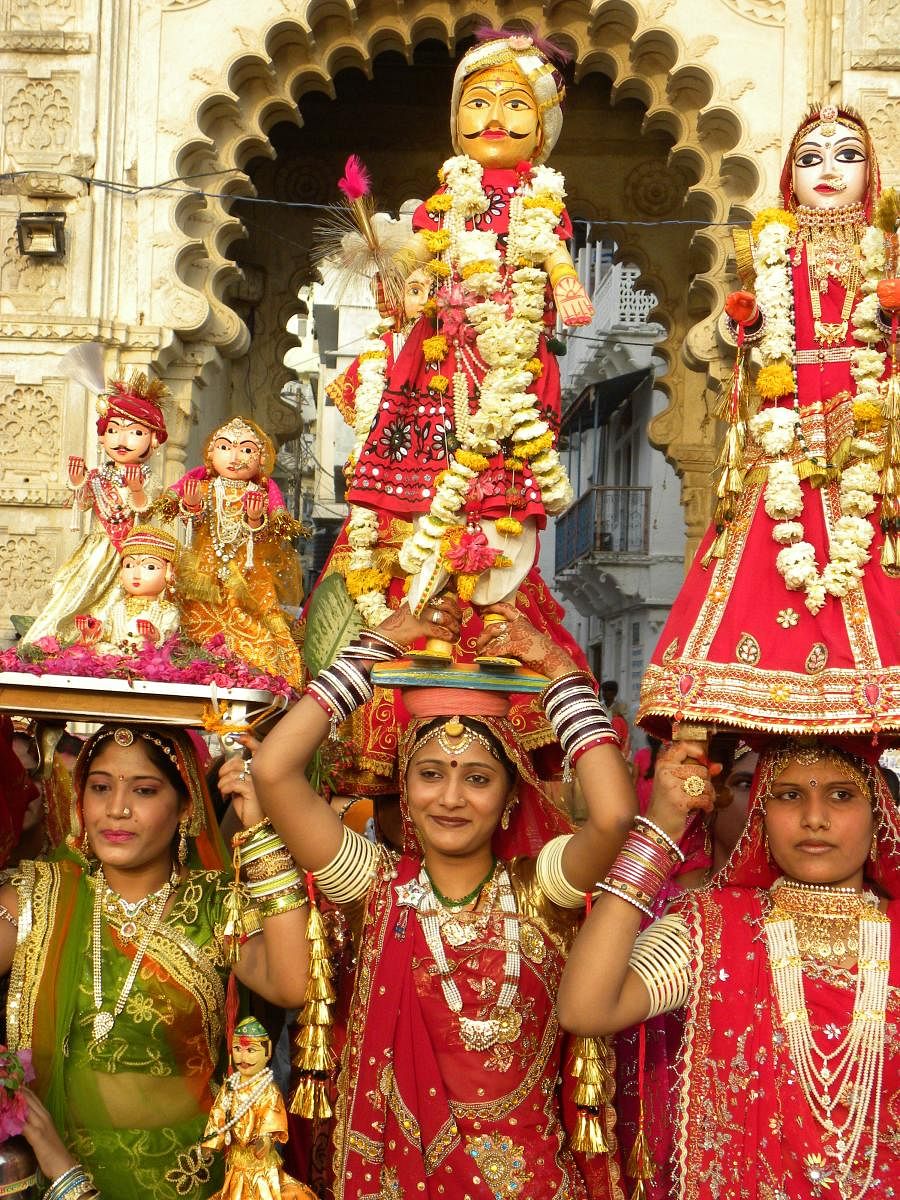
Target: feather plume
x=553 y=53
x=84 y=364
x=356 y=182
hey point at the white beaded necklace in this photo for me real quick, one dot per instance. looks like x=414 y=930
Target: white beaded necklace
x=855 y=1067
x=503 y=1023
x=256 y=1084
x=103 y=1019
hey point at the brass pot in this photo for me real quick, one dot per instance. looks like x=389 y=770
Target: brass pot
x=18 y=1168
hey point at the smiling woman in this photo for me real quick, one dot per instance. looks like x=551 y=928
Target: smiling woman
x=118 y=957
x=455 y=1077
x=789 y=984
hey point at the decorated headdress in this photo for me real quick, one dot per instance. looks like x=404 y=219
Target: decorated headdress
x=825 y=117
x=187 y=752
x=145 y=539
x=242 y=429
x=251 y=1030
x=750 y=864
x=535 y=60
x=136 y=399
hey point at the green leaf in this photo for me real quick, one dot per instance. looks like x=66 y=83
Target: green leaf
x=332 y=620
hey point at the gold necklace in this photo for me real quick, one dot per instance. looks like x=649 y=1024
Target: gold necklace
x=103 y=1018
x=826 y=919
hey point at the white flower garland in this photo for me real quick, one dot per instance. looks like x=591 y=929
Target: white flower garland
x=776 y=428
x=506 y=337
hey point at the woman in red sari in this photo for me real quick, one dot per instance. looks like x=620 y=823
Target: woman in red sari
x=790 y=1063
x=787 y=621
x=449 y=1082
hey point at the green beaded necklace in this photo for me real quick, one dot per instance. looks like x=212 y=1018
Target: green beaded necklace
x=447 y=902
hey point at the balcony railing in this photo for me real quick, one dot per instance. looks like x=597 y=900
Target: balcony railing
x=605 y=520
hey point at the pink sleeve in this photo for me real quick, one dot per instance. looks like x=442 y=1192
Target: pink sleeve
x=196 y=473
x=276 y=500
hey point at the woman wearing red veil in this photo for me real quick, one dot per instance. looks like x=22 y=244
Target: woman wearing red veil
x=789 y=1073
x=787 y=620
x=448 y=1085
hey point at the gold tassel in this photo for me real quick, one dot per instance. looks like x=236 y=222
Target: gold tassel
x=314 y=1058
x=889 y=484
x=733 y=407
x=640 y=1164
x=591 y=1090
x=235 y=928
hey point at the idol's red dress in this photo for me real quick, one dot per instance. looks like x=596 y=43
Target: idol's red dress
x=742 y=649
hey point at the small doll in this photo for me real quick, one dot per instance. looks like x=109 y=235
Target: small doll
x=241 y=567
x=248 y=1117
x=130 y=426
x=144 y=611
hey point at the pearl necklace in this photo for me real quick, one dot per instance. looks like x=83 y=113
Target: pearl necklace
x=103 y=1019
x=257 y=1084
x=854 y=1068
x=504 y=1023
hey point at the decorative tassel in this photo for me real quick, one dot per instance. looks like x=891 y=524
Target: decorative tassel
x=593 y=1090
x=733 y=407
x=248 y=557
x=75 y=519
x=234 y=929
x=187 y=531
x=314 y=1058
x=889 y=484
x=640 y=1166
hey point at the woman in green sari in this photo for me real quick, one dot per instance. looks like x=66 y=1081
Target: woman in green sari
x=119 y=961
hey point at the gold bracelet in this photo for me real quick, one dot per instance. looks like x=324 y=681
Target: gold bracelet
x=662 y=958
x=348 y=875
x=562 y=271
x=287 y=901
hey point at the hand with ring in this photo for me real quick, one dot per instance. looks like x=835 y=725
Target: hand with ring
x=515 y=637
x=236 y=782
x=682 y=785
x=440 y=617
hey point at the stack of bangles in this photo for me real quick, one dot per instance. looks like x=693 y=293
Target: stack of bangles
x=71 y=1184
x=577 y=717
x=273 y=882
x=643 y=865
x=341 y=688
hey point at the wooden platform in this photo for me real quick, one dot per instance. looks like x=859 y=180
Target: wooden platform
x=77 y=698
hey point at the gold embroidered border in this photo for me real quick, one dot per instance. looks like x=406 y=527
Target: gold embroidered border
x=831 y=701
x=445 y=1141
x=406 y=1118
x=37 y=889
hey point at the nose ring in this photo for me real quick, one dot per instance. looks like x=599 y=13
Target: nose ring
x=126 y=813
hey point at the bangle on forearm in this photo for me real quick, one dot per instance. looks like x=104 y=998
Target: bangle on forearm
x=271 y=877
x=550 y=877
x=341 y=688
x=562 y=271
x=348 y=875
x=652 y=831
x=640 y=871
x=71 y=1184
x=591 y=743
x=577 y=717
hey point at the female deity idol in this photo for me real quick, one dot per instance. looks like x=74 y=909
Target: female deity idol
x=143 y=612
x=786 y=970
x=449 y=1082
x=461 y=433
x=241 y=567
x=130 y=427
x=119 y=962
x=787 y=620
x=247 y=1119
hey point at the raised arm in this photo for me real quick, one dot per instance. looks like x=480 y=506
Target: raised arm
x=311 y=830
x=583 y=727
x=600 y=992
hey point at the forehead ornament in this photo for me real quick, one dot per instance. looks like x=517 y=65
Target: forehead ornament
x=237 y=431
x=454 y=739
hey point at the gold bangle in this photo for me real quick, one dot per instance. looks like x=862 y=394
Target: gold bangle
x=243 y=835
x=562 y=271
x=287 y=901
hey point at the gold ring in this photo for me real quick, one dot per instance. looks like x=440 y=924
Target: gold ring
x=694 y=785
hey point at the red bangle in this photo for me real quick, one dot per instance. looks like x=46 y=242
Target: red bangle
x=606 y=740
x=329 y=713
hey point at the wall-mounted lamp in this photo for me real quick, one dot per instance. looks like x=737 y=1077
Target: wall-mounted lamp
x=42 y=234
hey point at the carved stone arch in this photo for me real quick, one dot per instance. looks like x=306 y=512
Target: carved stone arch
x=636 y=44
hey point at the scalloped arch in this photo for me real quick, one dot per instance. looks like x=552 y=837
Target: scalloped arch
x=645 y=56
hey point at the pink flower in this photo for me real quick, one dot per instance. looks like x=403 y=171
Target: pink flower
x=471 y=554
x=452 y=301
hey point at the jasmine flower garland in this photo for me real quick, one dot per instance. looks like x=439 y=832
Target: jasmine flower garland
x=507 y=338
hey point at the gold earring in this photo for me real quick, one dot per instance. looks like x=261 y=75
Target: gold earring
x=507 y=811
x=766 y=846
x=182 y=842
x=873 y=849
